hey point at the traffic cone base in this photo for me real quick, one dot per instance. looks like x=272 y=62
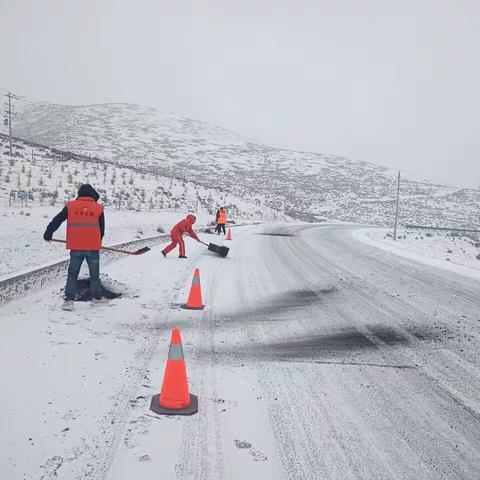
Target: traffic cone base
x=189 y=410
x=188 y=307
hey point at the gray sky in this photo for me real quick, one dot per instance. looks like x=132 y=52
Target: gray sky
x=392 y=82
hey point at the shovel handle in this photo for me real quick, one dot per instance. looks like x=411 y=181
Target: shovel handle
x=127 y=252
x=57 y=240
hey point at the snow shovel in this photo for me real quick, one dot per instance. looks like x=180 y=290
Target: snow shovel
x=222 y=251
x=140 y=251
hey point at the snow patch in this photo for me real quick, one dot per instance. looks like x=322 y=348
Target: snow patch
x=455 y=254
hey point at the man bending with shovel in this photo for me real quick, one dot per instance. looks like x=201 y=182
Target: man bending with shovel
x=184 y=226
x=85 y=230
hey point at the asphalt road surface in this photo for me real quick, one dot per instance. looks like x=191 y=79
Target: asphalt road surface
x=317 y=357
x=341 y=360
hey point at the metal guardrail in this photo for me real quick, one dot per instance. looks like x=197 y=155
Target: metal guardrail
x=421 y=227
x=34 y=280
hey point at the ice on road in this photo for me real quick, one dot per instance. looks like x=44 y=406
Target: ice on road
x=317 y=357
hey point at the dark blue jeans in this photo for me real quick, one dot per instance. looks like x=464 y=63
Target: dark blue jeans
x=76 y=259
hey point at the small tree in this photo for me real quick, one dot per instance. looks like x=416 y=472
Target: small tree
x=54 y=197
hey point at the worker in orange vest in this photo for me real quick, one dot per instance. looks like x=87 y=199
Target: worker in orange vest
x=221 y=220
x=85 y=230
x=184 y=226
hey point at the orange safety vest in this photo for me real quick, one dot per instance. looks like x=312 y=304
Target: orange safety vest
x=222 y=218
x=83 y=229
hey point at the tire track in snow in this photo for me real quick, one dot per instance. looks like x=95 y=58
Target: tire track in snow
x=432 y=362
x=201 y=456
x=104 y=452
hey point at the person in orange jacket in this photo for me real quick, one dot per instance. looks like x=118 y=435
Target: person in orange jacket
x=184 y=226
x=221 y=221
x=85 y=230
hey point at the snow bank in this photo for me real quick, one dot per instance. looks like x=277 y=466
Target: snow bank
x=456 y=254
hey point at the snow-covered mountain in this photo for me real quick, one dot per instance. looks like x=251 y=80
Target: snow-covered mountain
x=303 y=185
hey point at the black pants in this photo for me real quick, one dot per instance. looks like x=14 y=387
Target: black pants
x=220 y=227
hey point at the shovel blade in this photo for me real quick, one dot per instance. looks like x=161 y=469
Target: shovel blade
x=221 y=250
x=142 y=250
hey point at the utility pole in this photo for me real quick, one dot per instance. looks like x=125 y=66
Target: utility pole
x=396 y=208
x=9 y=113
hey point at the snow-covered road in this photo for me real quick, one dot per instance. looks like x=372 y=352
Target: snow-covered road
x=317 y=357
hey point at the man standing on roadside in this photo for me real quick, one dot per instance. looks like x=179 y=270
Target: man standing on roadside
x=221 y=221
x=85 y=230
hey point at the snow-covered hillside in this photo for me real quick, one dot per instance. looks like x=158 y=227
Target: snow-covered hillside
x=139 y=203
x=52 y=176
x=303 y=185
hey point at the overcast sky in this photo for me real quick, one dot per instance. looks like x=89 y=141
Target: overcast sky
x=387 y=81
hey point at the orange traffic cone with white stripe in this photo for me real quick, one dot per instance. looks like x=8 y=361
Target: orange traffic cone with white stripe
x=174 y=398
x=229 y=235
x=194 y=301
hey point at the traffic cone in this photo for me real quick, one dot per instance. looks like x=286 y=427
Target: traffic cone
x=174 y=398
x=229 y=234
x=194 y=301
